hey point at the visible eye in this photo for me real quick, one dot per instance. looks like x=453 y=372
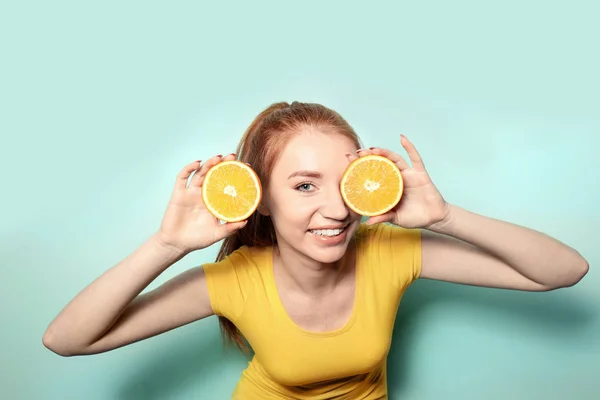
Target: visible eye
x=304 y=187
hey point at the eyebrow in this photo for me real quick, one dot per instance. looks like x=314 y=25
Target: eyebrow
x=309 y=174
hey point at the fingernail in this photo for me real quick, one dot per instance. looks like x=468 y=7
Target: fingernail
x=359 y=150
x=232 y=154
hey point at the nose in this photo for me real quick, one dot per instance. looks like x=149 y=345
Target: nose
x=333 y=206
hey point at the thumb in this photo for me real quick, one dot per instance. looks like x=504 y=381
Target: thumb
x=387 y=217
x=230 y=228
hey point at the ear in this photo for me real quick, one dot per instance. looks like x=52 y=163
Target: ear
x=263 y=209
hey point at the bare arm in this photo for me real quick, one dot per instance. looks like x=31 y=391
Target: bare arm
x=463 y=247
x=476 y=250
x=110 y=312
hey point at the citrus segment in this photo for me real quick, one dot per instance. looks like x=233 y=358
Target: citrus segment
x=231 y=191
x=372 y=185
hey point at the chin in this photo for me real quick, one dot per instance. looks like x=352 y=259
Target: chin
x=325 y=260
x=328 y=253
x=329 y=256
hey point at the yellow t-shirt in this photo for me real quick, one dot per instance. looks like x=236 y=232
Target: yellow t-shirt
x=292 y=363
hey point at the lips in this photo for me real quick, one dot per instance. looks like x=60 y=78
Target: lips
x=326 y=227
x=327 y=232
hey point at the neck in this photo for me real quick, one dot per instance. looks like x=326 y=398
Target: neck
x=310 y=277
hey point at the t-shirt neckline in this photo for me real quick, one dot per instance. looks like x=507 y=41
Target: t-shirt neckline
x=272 y=287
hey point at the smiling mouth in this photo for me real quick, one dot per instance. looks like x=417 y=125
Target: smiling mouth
x=328 y=232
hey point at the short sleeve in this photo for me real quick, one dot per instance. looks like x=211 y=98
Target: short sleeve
x=398 y=250
x=225 y=286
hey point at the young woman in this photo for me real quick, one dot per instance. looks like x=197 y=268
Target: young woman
x=303 y=283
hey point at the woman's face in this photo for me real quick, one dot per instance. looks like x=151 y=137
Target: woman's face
x=303 y=195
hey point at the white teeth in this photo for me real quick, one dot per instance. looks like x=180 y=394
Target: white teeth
x=327 y=232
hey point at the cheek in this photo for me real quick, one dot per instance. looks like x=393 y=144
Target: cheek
x=293 y=206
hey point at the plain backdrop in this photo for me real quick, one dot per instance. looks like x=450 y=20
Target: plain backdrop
x=102 y=103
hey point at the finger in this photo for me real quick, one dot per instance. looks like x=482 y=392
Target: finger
x=185 y=173
x=230 y=228
x=378 y=219
x=363 y=152
x=394 y=157
x=351 y=157
x=198 y=177
x=229 y=157
x=413 y=154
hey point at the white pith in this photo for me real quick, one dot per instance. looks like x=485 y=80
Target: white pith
x=230 y=190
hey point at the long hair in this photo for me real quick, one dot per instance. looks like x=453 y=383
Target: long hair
x=260 y=146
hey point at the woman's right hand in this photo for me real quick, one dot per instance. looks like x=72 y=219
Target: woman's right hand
x=187 y=224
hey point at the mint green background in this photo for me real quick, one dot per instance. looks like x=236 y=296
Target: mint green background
x=103 y=103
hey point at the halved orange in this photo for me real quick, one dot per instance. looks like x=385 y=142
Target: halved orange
x=372 y=185
x=231 y=191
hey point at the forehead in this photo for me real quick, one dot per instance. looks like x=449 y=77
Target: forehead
x=314 y=150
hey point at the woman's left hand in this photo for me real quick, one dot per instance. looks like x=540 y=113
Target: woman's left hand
x=421 y=204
